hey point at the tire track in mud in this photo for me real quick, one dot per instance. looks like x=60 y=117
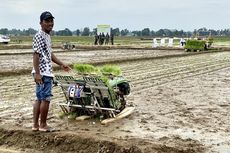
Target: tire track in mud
x=153 y=63
x=164 y=69
x=153 y=74
x=171 y=71
x=142 y=77
x=22 y=63
x=138 y=72
x=16 y=92
x=176 y=76
x=157 y=65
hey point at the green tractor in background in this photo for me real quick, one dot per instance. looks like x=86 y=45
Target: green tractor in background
x=199 y=43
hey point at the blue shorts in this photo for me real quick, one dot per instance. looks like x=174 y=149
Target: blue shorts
x=44 y=91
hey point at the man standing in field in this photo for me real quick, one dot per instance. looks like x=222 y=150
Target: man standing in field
x=43 y=72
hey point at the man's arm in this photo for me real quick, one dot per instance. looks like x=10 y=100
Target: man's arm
x=37 y=75
x=60 y=63
x=56 y=60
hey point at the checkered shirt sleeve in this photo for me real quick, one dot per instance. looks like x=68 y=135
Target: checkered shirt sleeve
x=39 y=43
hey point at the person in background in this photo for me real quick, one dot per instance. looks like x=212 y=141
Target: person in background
x=43 y=72
x=107 y=38
x=99 y=39
x=102 y=38
x=96 y=39
x=111 y=38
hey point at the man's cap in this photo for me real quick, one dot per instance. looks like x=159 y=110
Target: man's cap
x=46 y=15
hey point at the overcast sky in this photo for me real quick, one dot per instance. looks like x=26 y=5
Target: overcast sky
x=131 y=14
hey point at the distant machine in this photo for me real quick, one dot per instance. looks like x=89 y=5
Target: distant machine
x=4 y=39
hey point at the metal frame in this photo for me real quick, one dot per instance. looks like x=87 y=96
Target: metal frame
x=89 y=82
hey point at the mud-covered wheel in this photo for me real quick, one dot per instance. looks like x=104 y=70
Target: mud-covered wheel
x=123 y=102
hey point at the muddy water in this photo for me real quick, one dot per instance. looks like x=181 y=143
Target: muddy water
x=180 y=102
x=194 y=108
x=14 y=63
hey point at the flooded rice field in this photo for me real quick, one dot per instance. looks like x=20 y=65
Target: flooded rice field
x=182 y=105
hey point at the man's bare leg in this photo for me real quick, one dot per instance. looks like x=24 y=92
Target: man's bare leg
x=44 y=108
x=36 y=113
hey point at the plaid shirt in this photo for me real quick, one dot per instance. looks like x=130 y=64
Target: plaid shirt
x=42 y=46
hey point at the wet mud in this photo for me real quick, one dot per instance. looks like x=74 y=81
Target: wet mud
x=182 y=106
